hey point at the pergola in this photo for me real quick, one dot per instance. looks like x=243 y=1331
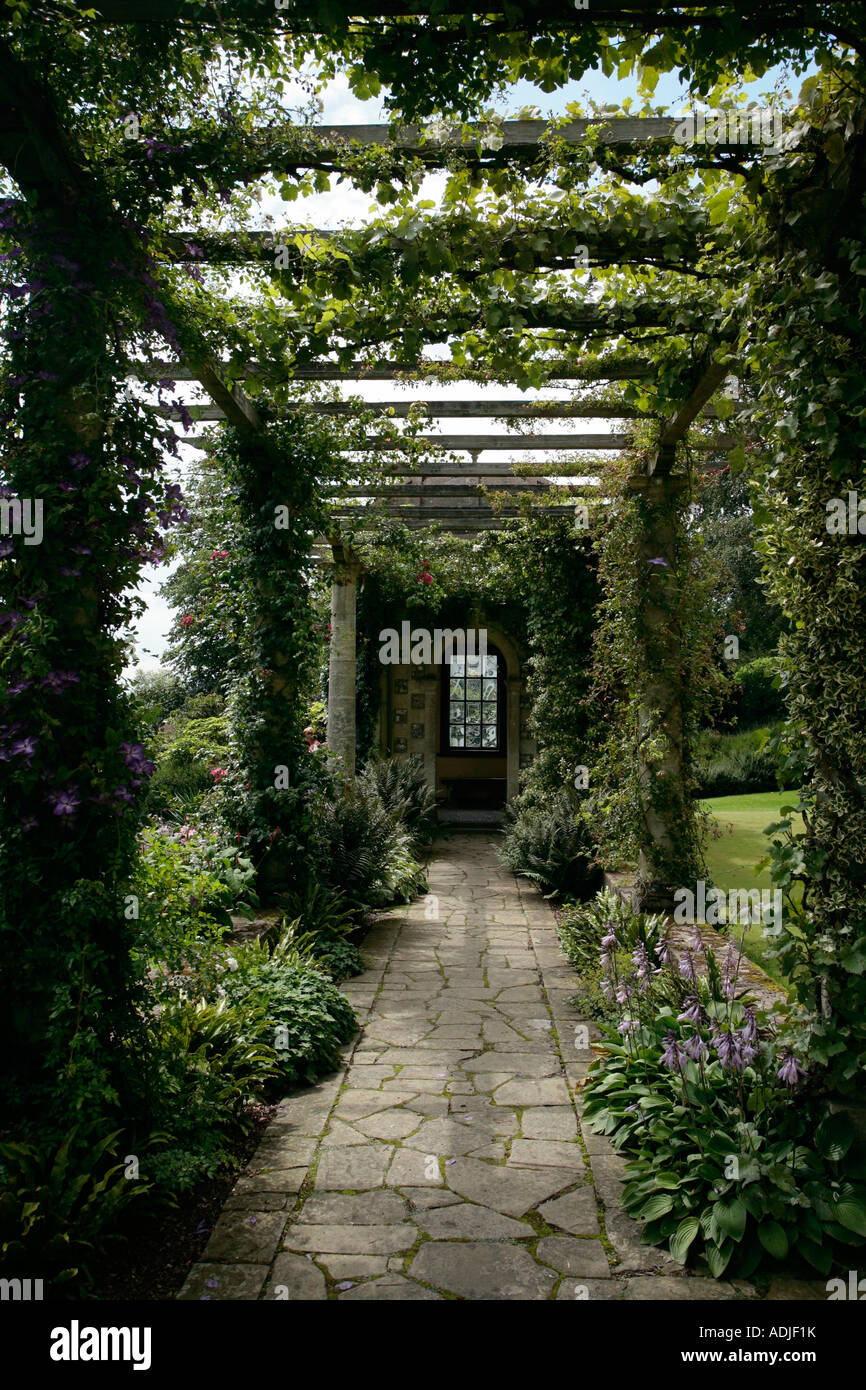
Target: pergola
x=41 y=158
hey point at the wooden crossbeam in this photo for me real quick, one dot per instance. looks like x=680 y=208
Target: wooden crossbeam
x=444 y=409
x=621 y=369
x=707 y=381
x=437 y=491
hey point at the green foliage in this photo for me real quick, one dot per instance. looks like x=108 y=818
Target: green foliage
x=552 y=846
x=736 y=764
x=361 y=849
x=57 y=1204
x=304 y=1015
x=756 y=695
x=209 y=1061
x=403 y=789
x=581 y=928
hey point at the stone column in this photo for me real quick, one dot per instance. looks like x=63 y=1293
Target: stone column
x=667 y=851
x=513 y=686
x=341 y=662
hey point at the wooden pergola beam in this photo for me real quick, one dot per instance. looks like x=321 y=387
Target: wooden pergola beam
x=708 y=380
x=622 y=369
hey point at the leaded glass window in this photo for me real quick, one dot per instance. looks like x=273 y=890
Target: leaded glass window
x=473 y=702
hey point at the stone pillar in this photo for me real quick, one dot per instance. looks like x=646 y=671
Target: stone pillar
x=341 y=662
x=513 y=686
x=666 y=856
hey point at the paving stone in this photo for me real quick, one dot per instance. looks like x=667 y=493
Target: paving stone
x=513 y=1191
x=275 y=1180
x=450 y=1136
x=549 y=1122
x=482 y=1271
x=576 y=1212
x=216 y=1283
x=644 y=1289
x=783 y=1289
x=353 y=1169
x=245 y=1237
x=352 y=1266
x=257 y=1201
x=422 y=1198
x=471 y=1222
x=570 y=1256
x=549 y=1153
x=294 y=1278
x=365 y=1209
x=351 y=1240
x=549 y=1091
x=391 y=1289
x=410 y=1168
x=519 y=1063
x=388 y=1124
x=341 y=1135
x=357 y=1105
x=591 y=1290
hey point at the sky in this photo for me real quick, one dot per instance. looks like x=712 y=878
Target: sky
x=343 y=206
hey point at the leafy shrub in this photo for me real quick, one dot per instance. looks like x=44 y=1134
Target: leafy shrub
x=183 y=907
x=754 y=698
x=305 y=1015
x=322 y=910
x=696 y=1087
x=581 y=929
x=340 y=959
x=210 y=1061
x=56 y=1205
x=404 y=791
x=187 y=751
x=552 y=847
x=363 y=851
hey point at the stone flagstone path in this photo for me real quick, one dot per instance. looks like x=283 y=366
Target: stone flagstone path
x=447 y=1159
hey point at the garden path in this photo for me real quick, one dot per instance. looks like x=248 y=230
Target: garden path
x=446 y=1159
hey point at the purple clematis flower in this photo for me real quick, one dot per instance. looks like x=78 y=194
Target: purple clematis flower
x=65 y=803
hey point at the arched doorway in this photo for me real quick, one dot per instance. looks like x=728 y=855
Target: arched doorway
x=472 y=763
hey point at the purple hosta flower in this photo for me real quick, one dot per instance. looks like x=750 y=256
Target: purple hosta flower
x=65 y=803
x=673 y=1057
x=663 y=950
x=609 y=942
x=24 y=747
x=695 y=1048
x=79 y=461
x=28 y=823
x=623 y=994
x=729 y=1047
x=730 y=970
x=697 y=941
x=607 y=990
x=627 y=1026
x=750 y=1028
x=640 y=957
x=790 y=1072
x=691 y=1012
x=687 y=966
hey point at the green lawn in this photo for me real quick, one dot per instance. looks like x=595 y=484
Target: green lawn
x=734 y=854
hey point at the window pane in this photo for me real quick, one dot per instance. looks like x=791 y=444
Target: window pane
x=473 y=689
x=473 y=666
x=457 y=690
x=473 y=735
x=473 y=712
x=457 y=666
x=489 y=712
x=489 y=736
x=490 y=689
x=457 y=713
x=456 y=739
x=490 y=665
